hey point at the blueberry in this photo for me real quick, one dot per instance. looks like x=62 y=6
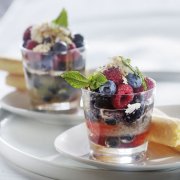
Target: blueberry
x=118 y=115
x=103 y=102
x=64 y=97
x=36 y=82
x=92 y=115
x=111 y=121
x=78 y=40
x=127 y=138
x=92 y=100
x=47 y=40
x=46 y=62
x=29 y=74
x=134 y=80
x=136 y=114
x=53 y=90
x=59 y=62
x=138 y=98
x=63 y=94
x=47 y=98
x=79 y=44
x=60 y=47
x=112 y=142
x=109 y=88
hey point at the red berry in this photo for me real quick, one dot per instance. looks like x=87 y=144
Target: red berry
x=123 y=97
x=71 y=46
x=59 y=62
x=31 y=44
x=139 y=139
x=150 y=84
x=113 y=74
x=140 y=89
x=27 y=34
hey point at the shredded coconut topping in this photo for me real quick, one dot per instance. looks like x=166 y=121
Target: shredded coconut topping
x=124 y=80
x=42 y=48
x=44 y=30
x=132 y=107
x=117 y=63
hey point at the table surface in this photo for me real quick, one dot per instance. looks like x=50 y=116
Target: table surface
x=143 y=34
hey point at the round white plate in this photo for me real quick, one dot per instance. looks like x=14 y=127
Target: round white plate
x=74 y=144
x=19 y=103
x=30 y=145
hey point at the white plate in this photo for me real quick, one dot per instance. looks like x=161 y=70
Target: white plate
x=19 y=103
x=29 y=144
x=74 y=144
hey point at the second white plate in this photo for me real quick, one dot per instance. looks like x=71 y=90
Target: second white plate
x=19 y=103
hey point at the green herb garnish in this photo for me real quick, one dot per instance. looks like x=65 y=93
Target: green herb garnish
x=139 y=73
x=136 y=71
x=62 y=19
x=77 y=80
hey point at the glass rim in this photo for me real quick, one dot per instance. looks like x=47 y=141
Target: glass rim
x=138 y=93
x=23 y=49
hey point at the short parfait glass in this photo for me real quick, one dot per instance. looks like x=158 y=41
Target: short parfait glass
x=47 y=90
x=118 y=135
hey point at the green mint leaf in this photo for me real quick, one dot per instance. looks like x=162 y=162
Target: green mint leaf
x=96 y=80
x=62 y=19
x=127 y=62
x=75 y=79
x=139 y=73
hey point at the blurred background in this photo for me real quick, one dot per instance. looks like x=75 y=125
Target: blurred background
x=146 y=31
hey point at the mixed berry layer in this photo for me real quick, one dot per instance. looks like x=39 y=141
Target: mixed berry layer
x=118 y=103
x=48 y=50
x=118 y=113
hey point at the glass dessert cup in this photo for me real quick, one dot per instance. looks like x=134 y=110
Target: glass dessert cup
x=118 y=135
x=47 y=90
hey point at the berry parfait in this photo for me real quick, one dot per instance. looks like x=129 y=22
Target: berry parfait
x=49 y=49
x=118 y=103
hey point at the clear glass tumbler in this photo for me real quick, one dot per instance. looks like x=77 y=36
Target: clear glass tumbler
x=47 y=90
x=118 y=135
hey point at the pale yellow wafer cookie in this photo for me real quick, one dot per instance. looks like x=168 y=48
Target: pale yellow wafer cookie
x=12 y=66
x=16 y=81
x=166 y=131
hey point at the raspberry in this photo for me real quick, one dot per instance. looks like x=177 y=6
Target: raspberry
x=71 y=46
x=27 y=34
x=31 y=44
x=113 y=74
x=124 y=96
x=150 y=84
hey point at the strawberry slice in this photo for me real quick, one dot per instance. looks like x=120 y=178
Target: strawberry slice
x=123 y=97
x=102 y=129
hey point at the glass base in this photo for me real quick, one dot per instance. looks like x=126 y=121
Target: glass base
x=57 y=106
x=118 y=155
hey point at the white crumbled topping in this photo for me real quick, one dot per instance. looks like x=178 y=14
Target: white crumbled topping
x=124 y=80
x=117 y=63
x=43 y=48
x=132 y=107
x=38 y=32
